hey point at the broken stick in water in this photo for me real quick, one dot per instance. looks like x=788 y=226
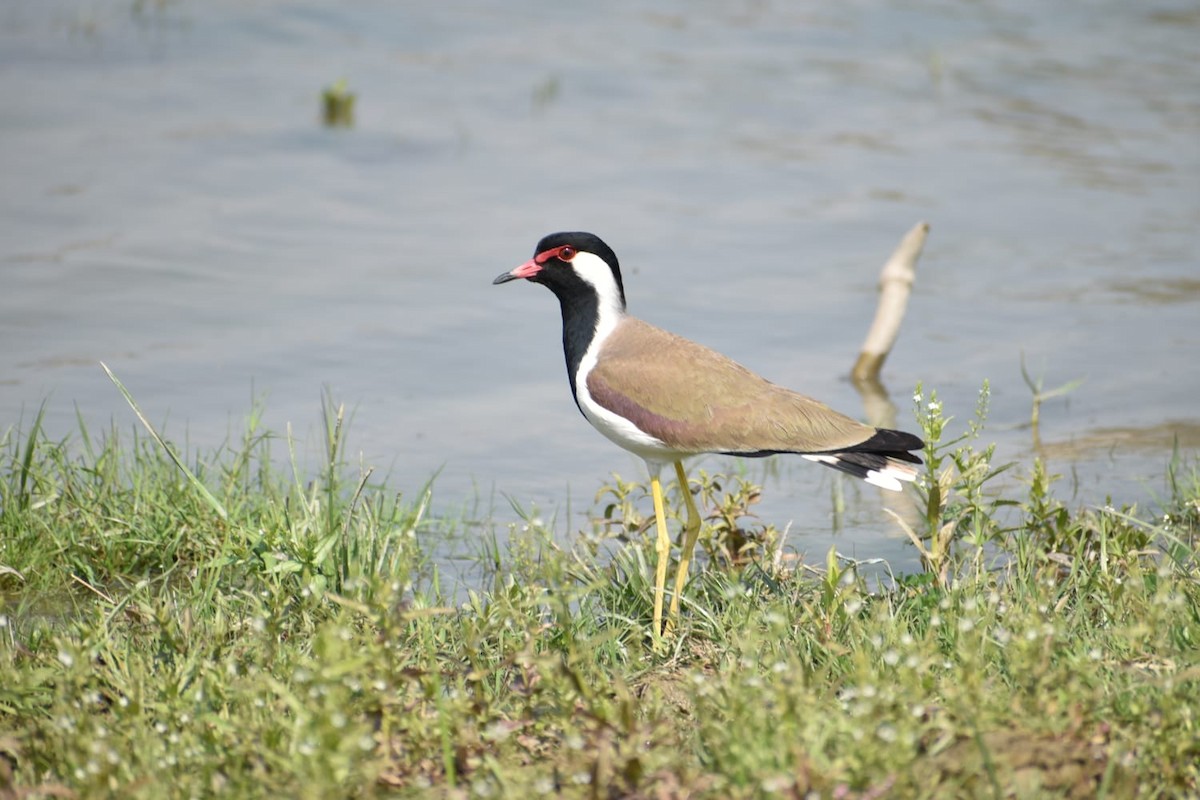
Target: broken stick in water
x=895 y=284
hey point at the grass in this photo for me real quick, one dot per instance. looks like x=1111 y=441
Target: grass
x=279 y=634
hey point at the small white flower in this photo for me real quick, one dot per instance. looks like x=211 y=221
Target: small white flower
x=776 y=783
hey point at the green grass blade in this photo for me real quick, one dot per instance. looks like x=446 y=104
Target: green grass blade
x=27 y=460
x=192 y=479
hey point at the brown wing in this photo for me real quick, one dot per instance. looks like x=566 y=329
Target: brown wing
x=699 y=401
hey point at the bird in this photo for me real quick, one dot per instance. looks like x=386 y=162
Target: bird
x=666 y=398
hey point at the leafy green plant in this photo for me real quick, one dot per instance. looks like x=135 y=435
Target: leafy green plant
x=957 y=507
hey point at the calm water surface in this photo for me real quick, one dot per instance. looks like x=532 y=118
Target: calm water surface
x=171 y=205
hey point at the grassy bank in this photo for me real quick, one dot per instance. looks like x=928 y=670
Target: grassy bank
x=275 y=635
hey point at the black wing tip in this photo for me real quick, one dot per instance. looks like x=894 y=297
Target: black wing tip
x=884 y=444
x=891 y=443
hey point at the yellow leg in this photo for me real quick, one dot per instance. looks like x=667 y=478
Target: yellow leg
x=690 y=533
x=663 y=548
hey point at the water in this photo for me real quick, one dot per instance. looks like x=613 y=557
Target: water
x=171 y=205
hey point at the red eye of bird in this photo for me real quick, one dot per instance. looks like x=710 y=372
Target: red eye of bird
x=566 y=252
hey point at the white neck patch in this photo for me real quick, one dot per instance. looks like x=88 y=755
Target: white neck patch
x=609 y=313
x=595 y=271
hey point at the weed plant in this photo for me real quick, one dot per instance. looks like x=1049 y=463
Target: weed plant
x=183 y=625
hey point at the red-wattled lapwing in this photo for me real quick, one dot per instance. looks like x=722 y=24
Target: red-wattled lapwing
x=665 y=398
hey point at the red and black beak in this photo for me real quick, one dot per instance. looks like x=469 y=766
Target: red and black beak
x=526 y=270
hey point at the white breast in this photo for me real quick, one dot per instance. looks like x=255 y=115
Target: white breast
x=610 y=313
